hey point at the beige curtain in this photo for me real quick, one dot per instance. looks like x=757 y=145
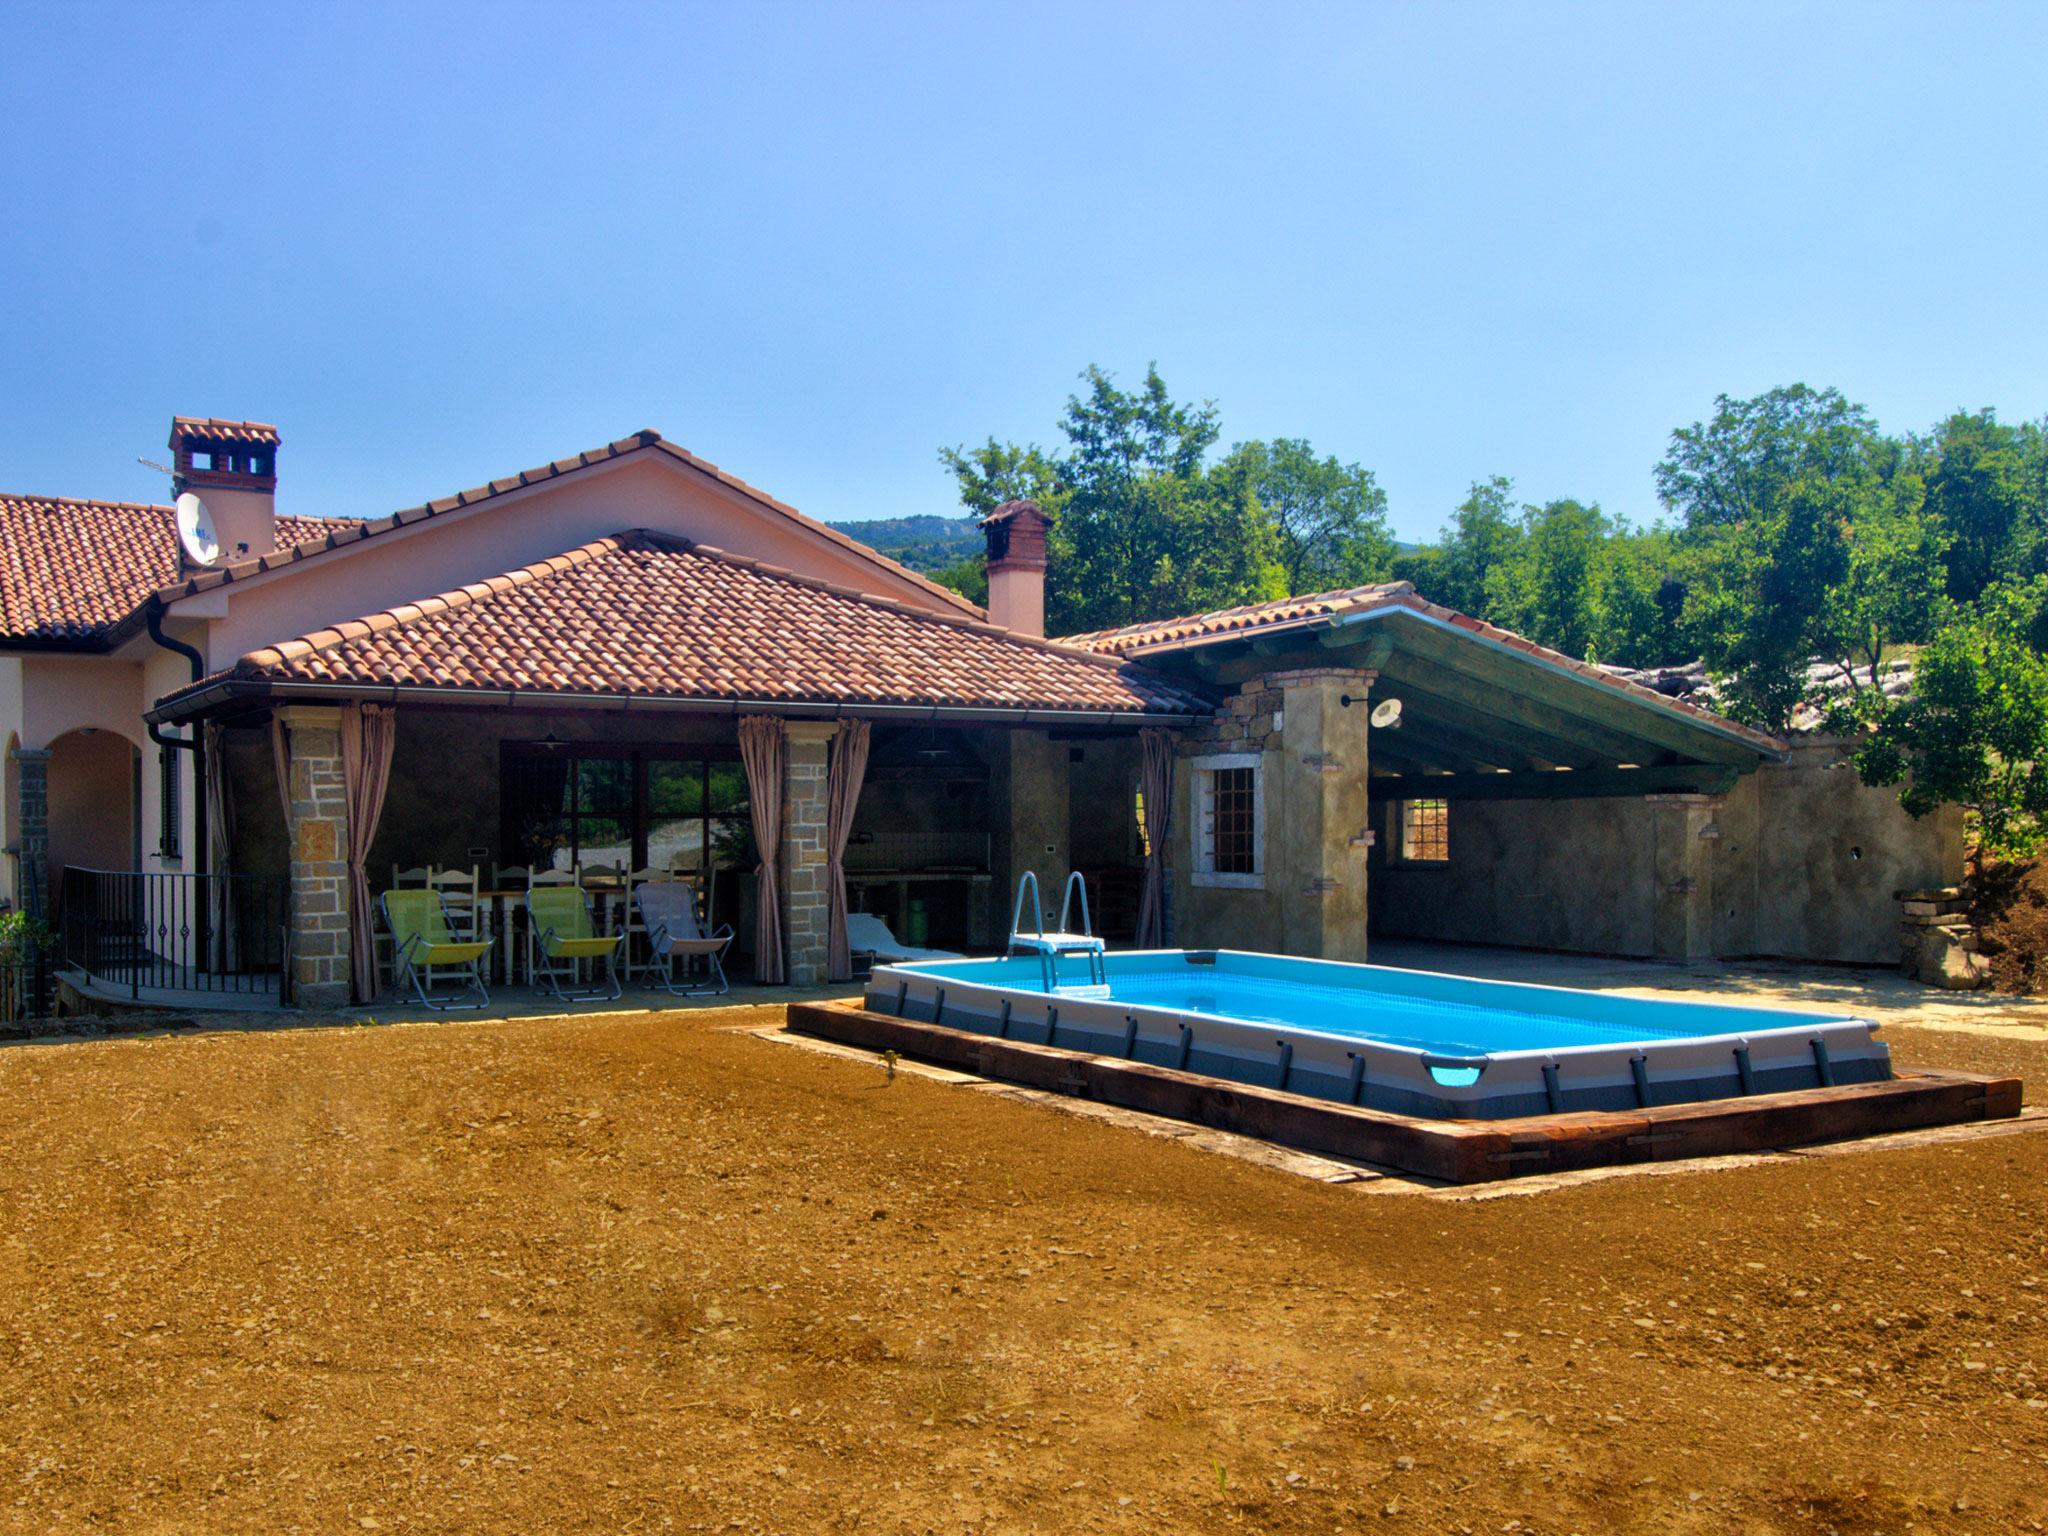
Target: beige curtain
x=1155 y=779
x=761 y=752
x=368 y=734
x=842 y=788
x=223 y=948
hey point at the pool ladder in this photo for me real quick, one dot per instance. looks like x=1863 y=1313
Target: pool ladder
x=1064 y=940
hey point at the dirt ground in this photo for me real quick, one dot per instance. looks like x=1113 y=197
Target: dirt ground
x=2009 y=906
x=646 y=1274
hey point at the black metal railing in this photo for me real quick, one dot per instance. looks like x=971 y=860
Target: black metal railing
x=143 y=931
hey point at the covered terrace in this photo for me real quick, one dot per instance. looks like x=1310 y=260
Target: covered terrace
x=790 y=747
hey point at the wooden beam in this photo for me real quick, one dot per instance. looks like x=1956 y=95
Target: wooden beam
x=1561 y=784
x=1511 y=743
x=1554 y=725
x=1394 y=748
x=1446 y=745
x=1369 y=650
x=1533 y=682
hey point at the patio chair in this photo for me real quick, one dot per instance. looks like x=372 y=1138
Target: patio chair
x=867 y=934
x=668 y=910
x=422 y=943
x=560 y=937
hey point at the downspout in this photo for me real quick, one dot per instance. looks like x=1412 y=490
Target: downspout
x=154 y=616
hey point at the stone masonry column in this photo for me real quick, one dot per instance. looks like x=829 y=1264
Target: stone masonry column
x=1318 y=847
x=1686 y=829
x=32 y=828
x=318 y=840
x=806 y=903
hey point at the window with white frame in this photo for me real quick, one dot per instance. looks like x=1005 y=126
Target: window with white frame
x=1229 y=820
x=1425 y=832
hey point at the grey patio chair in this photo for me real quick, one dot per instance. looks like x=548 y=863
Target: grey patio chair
x=668 y=910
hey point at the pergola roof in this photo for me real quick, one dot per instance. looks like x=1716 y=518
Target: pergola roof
x=1485 y=713
x=644 y=618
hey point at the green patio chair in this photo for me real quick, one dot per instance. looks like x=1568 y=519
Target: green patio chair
x=422 y=942
x=563 y=937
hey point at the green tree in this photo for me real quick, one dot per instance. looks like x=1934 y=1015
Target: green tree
x=1974 y=730
x=1544 y=585
x=1331 y=517
x=1987 y=486
x=997 y=472
x=1637 y=601
x=968 y=576
x=1142 y=525
x=1482 y=533
x=1741 y=463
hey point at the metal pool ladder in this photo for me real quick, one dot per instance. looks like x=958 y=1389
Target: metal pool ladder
x=1049 y=947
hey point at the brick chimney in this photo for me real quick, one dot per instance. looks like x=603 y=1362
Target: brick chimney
x=1016 y=566
x=232 y=466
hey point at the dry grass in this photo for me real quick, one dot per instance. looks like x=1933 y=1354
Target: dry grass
x=647 y=1274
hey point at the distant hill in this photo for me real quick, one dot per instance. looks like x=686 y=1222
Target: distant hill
x=924 y=543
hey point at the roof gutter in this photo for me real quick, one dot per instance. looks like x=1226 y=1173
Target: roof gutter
x=153 y=616
x=225 y=690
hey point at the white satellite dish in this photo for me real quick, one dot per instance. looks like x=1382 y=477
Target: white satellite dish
x=1386 y=714
x=195 y=530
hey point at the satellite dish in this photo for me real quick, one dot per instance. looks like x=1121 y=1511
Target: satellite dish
x=1386 y=714
x=195 y=530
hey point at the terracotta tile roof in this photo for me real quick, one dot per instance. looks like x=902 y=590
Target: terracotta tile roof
x=71 y=569
x=647 y=439
x=648 y=615
x=1316 y=609
x=219 y=431
x=1222 y=622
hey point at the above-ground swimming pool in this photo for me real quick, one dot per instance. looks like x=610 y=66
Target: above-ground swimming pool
x=1413 y=1042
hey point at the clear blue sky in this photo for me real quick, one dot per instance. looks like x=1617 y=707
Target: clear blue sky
x=814 y=242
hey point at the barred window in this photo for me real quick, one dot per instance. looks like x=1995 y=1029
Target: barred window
x=1230 y=818
x=1426 y=831
x=1230 y=810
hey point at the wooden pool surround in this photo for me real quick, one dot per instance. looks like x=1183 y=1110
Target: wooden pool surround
x=1455 y=1151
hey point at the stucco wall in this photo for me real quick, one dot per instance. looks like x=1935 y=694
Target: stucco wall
x=1544 y=874
x=1804 y=860
x=92 y=801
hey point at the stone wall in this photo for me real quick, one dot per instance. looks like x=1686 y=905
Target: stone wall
x=805 y=900
x=1798 y=861
x=318 y=840
x=1308 y=728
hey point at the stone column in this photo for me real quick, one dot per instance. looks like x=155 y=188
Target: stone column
x=1317 y=849
x=805 y=901
x=1686 y=828
x=32 y=828
x=318 y=827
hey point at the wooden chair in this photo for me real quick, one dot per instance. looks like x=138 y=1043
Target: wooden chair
x=459 y=890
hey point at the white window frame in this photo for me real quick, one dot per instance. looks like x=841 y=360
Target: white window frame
x=1201 y=867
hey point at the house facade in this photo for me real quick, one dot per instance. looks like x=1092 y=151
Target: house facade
x=630 y=657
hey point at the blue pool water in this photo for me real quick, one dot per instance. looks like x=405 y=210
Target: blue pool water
x=1413 y=1041
x=1435 y=1024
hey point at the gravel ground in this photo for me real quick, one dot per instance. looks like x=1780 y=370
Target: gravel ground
x=650 y=1273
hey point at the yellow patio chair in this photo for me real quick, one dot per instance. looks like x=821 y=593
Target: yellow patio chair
x=562 y=937
x=422 y=943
